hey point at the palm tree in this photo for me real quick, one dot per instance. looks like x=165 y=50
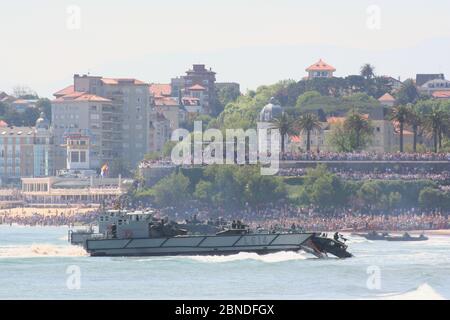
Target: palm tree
x=286 y=125
x=408 y=93
x=359 y=125
x=414 y=119
x=400 y=115
x=306 y=123
x=436 y=122
x=367 y=71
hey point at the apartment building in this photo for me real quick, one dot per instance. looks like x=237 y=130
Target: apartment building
x=159 y=131
x=26 y=152
x=85 y=113
x=162 y=101
x=116 y=116
x=198 y=83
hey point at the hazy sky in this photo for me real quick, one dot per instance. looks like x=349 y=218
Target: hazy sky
x=252 y=42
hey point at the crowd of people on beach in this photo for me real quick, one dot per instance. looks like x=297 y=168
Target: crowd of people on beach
x=285 y=216
x=41 y=219
x=360 y=222
x=280 y=216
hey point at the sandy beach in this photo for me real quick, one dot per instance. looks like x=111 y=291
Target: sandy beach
x=440 y=232
x=48 y=212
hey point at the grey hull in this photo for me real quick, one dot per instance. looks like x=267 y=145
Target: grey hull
x=199 y=245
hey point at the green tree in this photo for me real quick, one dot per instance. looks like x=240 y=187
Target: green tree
x=119 y=166
x=359 y=129
x=323 y=188
x=430 y=198
x=414 y=119
x=436 y=123
x=167 y=148
x=172 y=190
x=29 y=116
x=395 y=199
x=408 y=93
x=400 y=114
x=285 y=125
x=367 y=71
x=307 y=123
x=3 y=108
x=371 y=194
x=340 y=139
x=45 y=105
x=228 y=94
x=306 y=97
x=152 y=156
x=204 y=191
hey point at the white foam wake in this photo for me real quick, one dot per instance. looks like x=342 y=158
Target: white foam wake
x=423 y=292
x=269 y=258
x=41 y=250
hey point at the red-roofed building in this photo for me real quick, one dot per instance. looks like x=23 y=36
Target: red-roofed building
x=67 y=90
x=199 y=83
x=441 y=95
x=387 y=100
x=164 y=104
x=160 y=89
x=197 y=87
x=320 y=69
x=115 y=112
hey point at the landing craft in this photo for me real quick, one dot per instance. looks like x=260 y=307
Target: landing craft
x=138 y=233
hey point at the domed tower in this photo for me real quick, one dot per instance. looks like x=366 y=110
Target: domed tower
x=42 y=123
x=270 y=111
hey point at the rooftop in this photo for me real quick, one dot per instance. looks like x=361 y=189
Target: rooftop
x=441 y=94
x=166 y=101
x=81 y=97
x=121 y=81
x=160 y=89
x=197 y=87
x=4 y=131
x=67 y=90
x=387 y=97
x=320 y=66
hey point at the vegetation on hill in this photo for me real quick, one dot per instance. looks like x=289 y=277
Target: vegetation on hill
x=233 y=187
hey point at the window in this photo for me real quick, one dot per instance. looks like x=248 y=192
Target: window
x=74 y=156
x=82 y=156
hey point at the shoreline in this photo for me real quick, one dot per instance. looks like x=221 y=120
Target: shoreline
x=431 y=232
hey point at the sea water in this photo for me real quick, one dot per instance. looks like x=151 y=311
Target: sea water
x=38 y=263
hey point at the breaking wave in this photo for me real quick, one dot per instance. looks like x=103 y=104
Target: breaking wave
x=41 y=250
x=269 y=258
x=423 y=292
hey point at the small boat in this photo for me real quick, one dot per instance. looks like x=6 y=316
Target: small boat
x=407 y=237
x=373 y=235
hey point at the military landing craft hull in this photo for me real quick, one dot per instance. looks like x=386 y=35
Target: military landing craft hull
x=217 y=245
